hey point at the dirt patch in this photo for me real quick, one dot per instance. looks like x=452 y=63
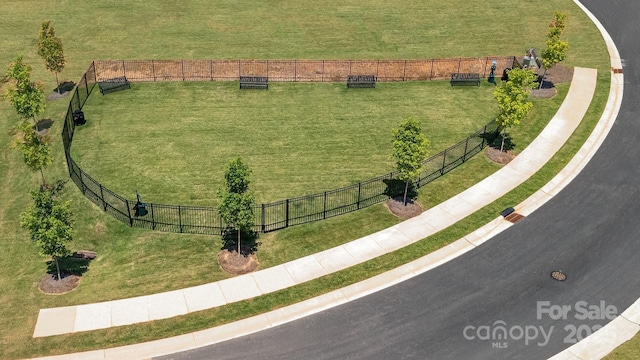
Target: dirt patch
x=543 y=93
x=57 y=96
x=397 y=207
x=42 y=126
x=50 y=286
x=237 y=264
x=100 y=229
x=556 y=75
x=500 y=157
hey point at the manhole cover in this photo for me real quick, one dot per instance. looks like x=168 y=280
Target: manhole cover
x=559 y=275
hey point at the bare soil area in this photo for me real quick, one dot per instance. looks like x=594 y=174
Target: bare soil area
x=399 y=209
x=237 y=264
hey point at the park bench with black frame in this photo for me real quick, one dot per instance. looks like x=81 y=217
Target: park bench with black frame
x=115 y=84
x=465 y=79
x=254 y=82
x=361 y=81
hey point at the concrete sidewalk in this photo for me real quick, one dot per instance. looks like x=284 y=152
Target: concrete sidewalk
x=56 y=321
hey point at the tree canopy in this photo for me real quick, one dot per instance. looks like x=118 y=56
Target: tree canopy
x=49 y=223
x=410 y=151
x=556 y=50
x=237 y=203
x=36 y=149
x=513 y=99
x=26 y=96
x=50 y=49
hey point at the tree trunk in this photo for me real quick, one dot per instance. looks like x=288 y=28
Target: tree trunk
x=542 y=80
x=57 y=267
x=43 y=181
x=238 y=241
x=58 y=83
x=406 y=189
x=504 y=134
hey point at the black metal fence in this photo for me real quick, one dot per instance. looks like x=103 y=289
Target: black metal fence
x=271 y=216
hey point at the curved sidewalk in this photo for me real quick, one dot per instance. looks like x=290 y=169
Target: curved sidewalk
x=56 y=321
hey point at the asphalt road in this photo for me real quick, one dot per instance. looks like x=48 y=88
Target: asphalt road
x=589 y=231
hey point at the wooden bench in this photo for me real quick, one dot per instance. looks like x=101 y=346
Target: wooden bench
x=85 y=254
x=465 y=79
x=361 y=81
x=115 y=84
x=254 y=82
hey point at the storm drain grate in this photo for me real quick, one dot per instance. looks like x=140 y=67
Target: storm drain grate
x=514 y=217
x=559 y=275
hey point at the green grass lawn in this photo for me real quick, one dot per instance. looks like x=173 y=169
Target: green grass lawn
x=135 y=262
x=173 y=141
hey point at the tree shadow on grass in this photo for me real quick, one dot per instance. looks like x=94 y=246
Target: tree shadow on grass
x=69 y=265
x=494 y=140
x=395 y=188
x=248 y=241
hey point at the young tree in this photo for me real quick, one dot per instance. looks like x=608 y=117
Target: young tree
x=50 y=49
x=49 y=223
x=236 y=207
x=556 y=50
x=26 y=96
x=36 y=149
x=513 y=99
x=410 y=151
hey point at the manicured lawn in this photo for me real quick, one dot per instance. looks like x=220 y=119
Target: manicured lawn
x=173 y=141
x=134 y=262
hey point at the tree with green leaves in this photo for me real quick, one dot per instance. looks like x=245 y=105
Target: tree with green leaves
x=49 y=223
x=410 y=152
x=236 y=207
x=513 y=99
x=556 y=50
x=36 y=149
x=50 y=50
x=26 y=96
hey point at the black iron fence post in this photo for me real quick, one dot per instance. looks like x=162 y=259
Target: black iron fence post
x=129 y=213
x=358 y=202
x=104 y=203
x=324 y=206
x=83 y=187
x=404 y=71
x=484 y=136
x=262 y=217
x=180 y=218
x=464 y=156
x=153 y=218
x=286 y=222
x=444 y=161
x=85 y=82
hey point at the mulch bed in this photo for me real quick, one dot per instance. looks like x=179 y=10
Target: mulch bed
x=397 y=207
x=556 y=75
x=49 y=285
x=237 y=264
x=500 y=157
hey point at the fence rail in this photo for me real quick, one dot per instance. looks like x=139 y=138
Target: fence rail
x=271 y=216
x=297 y=70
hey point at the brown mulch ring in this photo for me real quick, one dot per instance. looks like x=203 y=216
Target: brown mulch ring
x=42 y=126
x=500 y=157
x=237 y=264
x=556 y=75
x=397 y=207
x=50 y=286
x=56 y=96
